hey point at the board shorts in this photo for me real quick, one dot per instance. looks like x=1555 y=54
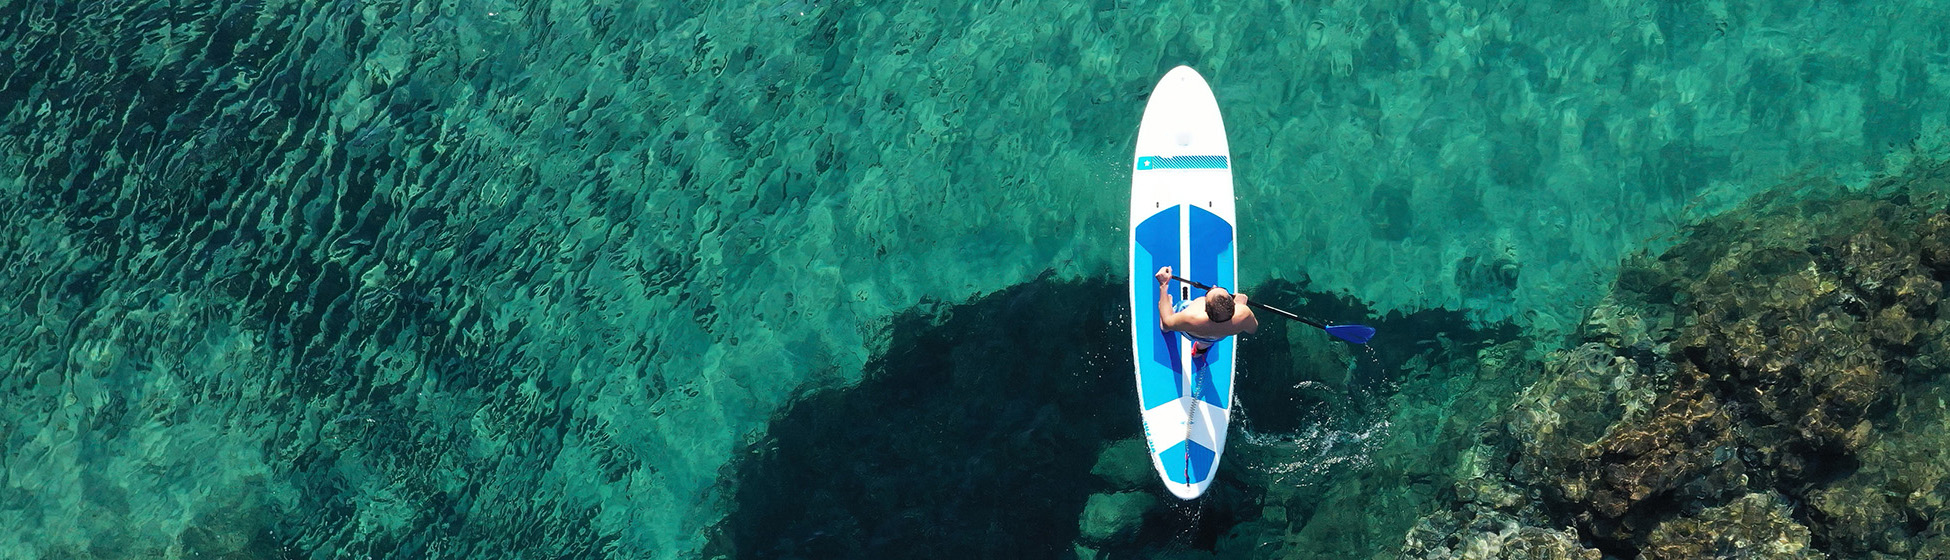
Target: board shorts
x=1199 y=343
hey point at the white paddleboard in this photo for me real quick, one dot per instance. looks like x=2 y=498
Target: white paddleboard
x=1182 y=216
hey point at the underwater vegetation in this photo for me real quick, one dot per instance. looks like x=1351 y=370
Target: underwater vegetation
x=1770 y=387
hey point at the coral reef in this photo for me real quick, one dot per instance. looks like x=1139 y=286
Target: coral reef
x=1770 y=387
x=1490 y=535
x=1495 y=520
x=1753 y=526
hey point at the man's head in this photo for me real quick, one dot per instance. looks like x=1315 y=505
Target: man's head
x=1218 y=305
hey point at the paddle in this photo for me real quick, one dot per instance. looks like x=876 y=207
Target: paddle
x=1357 y=334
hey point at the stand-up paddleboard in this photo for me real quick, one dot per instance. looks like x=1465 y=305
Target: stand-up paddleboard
x=1181 y=216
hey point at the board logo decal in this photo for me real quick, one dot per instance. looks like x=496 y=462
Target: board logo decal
x=1181 y=162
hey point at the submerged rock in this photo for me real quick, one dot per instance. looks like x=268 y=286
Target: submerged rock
x=1124 y=465
x=1490 y=535
x=1895 y=502
x=1771 y=387
x=1114 y=518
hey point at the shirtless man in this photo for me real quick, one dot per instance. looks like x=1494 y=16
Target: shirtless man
x=1220 y=314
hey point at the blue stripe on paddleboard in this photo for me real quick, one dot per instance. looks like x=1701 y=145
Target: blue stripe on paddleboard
x=1181 y=162
x=1212 y=265
x=1158 y=369
x=1175 y=459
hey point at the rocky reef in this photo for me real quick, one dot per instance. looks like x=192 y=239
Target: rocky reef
x=1771 y=386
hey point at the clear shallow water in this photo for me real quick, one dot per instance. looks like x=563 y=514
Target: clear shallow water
x=468 y=278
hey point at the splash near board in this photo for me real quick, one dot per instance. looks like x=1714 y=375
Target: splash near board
x=1182 y=216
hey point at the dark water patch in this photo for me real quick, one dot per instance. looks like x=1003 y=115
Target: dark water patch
x=975 y=435
x=1596 y=136
x=1769 y=93
x=1520 y=60
x=1380 y=53
x=1687 y=24
x=1515 y=157
x=1390 y=216
x=1489 y=274
x=1892 y=123
x=1681 y=170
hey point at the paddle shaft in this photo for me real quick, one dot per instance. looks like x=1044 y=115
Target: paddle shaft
x=1256 y=304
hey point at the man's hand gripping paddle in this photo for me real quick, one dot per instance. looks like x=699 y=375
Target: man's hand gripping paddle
x=1357 y=334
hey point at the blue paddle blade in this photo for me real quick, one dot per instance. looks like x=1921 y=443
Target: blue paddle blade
x=1357 y=334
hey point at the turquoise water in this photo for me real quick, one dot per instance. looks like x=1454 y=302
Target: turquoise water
x=609 y=279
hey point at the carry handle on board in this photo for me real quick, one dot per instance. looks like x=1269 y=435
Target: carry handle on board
x=1357 y=334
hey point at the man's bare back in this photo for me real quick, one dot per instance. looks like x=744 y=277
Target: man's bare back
x=1197 y=319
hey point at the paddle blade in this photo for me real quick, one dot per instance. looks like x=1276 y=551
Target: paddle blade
x=1357 y=334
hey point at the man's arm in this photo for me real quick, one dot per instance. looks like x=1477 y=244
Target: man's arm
x=1252 y=319
x=1165 y=315
x=1166 y=320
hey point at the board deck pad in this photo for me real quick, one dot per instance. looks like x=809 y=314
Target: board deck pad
x=1182 y=216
